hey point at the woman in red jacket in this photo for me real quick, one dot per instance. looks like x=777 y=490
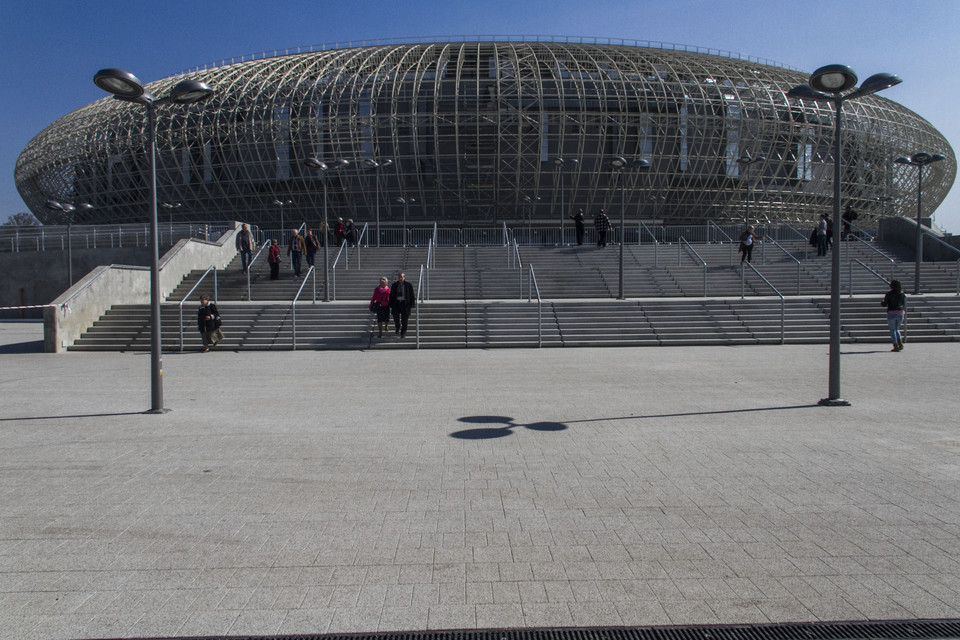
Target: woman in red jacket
x=273 y=258
x=380 y=305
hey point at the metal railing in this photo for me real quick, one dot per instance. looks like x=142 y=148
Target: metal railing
x=293 y=304
x=791 y=256
x=531 y=287
x=419 y=300
x=656 y=243
x=721 y=236
x=868 y=268
x=194 y=288
x=893 y=264
x=783 y=311
x=680 y=244
x=250 y=270
x=109 y=236
x=927 y=234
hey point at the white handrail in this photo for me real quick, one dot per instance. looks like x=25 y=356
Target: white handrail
x=680 y=244
x=250 y=268
x=293 y=303
x=782 y=302
x=531 y=286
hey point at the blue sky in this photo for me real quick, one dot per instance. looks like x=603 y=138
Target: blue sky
x=55 y=47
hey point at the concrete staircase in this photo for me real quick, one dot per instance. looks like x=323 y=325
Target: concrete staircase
x=475 y=300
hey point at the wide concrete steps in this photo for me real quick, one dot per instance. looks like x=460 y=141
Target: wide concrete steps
x=493 y=324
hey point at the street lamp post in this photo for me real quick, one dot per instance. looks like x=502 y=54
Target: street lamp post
x=746 y=162
x=69 y=212
x=375 y=166
x=323 y=168
x=405 y=202
x=559 y=164
x=919 y=160
x=282 y=204
x=620 y=165
x=127 y=87
x=828 y=84
x=170 y=206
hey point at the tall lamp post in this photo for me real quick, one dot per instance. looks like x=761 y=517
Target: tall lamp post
x=620 y=165
x=919 y=160
x=375 y=166
x=828 y=84
x=127 y=87
x=559 y=164
x=323 y=168
x=746 y=162
x=282 y=204
x=405 y=202
x=69 y=212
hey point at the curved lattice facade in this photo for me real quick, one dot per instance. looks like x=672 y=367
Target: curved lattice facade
x=474 y=130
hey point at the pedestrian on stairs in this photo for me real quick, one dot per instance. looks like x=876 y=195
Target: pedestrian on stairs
x=896 y=303
x=209 y=323
x=273 y=259
x=380 y=305
x=245 y=245
x=402 y=300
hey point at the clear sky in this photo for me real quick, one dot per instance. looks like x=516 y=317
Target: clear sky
x=54 y=47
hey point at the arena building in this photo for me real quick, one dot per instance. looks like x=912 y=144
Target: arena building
x=481 y=132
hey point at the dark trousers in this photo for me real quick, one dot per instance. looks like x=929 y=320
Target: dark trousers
x=601 y=237
x=747 y=251
x=274 y=270
x=401 y=315
x=580 y=234
x=245 y=258
x=295 y=260
x=310 y=258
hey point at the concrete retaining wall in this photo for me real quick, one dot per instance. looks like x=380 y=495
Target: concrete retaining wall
x=84 y=302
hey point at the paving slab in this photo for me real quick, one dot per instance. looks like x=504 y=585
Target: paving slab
x=311 y=492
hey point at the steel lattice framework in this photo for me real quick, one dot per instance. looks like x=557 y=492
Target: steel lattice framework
x=474 y=129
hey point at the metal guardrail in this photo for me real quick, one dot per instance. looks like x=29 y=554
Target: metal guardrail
x=194 y=288
x=293 y=304
x=419 y=300
x=927 y=234
x=680 y=244
x=868 y=268
x=263 y=246
x=789 y=255
x=656 y=243
x=112 y=236
x=531 y=287
x=783 y=311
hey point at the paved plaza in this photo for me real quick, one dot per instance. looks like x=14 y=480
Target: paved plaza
x=310 y=492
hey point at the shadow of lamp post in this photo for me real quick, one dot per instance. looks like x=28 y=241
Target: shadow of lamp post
x=828 y=84
x=919 y=160
x=127 y=87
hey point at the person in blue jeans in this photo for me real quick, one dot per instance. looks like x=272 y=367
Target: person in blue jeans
x=896 y=303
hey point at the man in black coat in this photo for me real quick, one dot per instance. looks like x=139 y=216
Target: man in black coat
x=402 y=299
x=208 y=322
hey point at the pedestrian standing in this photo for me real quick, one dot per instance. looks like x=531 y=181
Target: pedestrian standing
x=601 y=223
x=245 y=245
x=896 y=303
x=578 y=223
x=273 y=259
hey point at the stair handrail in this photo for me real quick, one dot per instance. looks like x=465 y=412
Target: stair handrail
x=714 y=225
x=425 y=277
x=803 y=236
x=682 y=241
x=791 y=256
x=515 y=255
x=431 y=254
x=656 y=243
x=194 y=288
x=769 y=284
x=263 y=246
x=865 y=266
x=434 y=236
x=893 y=264
x=333 y=269
x=293 y=304
x=506 y=235
x=531 y=287
x=419 y=300
x=363 y=233
x=952 y=248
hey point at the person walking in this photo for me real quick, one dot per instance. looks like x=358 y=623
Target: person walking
x=380 y=305
x=601 y=223
x=295 y=251
x=350 y=233
x=402 y=300
x=822 y=235
x=338 y=231
x=273 y=259
x=209 y=323
x=746 y=244
x=245 y=245
x=896 y=303
x=312 y=245
x=578 y=223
